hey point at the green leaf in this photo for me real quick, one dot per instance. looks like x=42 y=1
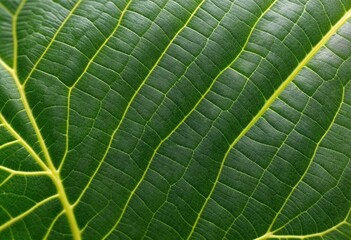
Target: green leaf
x=172 y=119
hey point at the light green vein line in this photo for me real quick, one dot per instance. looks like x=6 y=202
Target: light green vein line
x=53 y=224
x=55 y=176
x=14 y=33
x=80 y=77
x=171 y=133
x=26 y=213
x=215 y=80
x=23 y=143
x=7 y=67
x=309 y=165
x=6 y=179
x=271 y=235
x=269 y=102
x=6 y=9
x=51 y=42
x=131 y=100
x=180 y=123
x=265 y=170
x=5 y=145
x=23 y=173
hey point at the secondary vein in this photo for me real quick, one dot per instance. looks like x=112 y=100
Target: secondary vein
x=269 y=102
x=81 y=76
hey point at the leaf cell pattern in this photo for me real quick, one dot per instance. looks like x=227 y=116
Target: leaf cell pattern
x=170 y=119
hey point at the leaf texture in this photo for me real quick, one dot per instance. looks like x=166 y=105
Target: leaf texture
x=170 y=119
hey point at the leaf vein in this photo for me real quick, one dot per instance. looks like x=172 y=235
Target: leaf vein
x=26 y=213
x=269 y=102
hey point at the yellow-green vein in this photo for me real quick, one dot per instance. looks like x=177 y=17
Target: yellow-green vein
x=29 y=149
x=82 y=74
x=131 y=100
x=14 y=33
x=265 y=170
x=26 y=213
x=6 y=179
x=180 y=123
x=50 y=43
x=55 y=177
x=309 y=165
x=23 y=173
x=269 y=102
x=7 y=67
x=5 y=145
x=54 y=174
x=52 y=224
x=270 y=235
x=6 y=9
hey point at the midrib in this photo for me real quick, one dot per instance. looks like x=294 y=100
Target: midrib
x=49 y=166
x=54 y=174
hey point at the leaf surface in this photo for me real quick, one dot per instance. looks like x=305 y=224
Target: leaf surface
x=172 y=119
